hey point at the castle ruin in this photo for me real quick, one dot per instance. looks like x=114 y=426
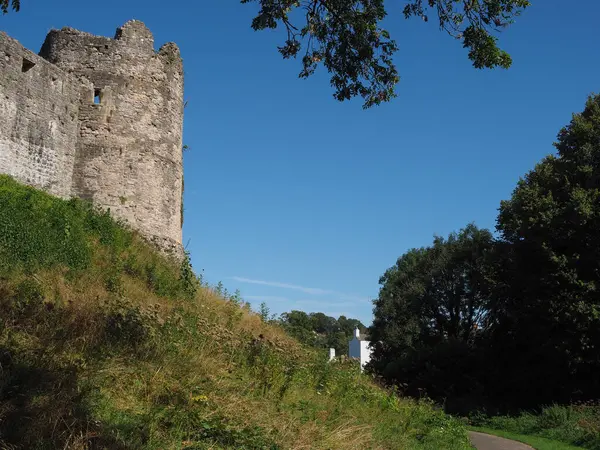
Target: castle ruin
x=100 y=119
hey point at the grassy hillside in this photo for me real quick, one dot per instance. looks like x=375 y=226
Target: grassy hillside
x=105 y=344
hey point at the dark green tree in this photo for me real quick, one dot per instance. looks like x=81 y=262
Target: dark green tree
x=298 y=325
x=431 y=310
x=346 y=37
x=322 y=323
x=347 y=326
x=297 y=319
x=547 y=303
x=319 y=330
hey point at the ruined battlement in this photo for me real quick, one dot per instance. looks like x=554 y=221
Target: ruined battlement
x=101 y=119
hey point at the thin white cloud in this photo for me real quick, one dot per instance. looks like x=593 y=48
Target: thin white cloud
x=306 y=290
x=331 y=308
x=299 y=303
x=321 y=303
x=268 y=298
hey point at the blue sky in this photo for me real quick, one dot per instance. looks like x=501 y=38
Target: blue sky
x=303 y=202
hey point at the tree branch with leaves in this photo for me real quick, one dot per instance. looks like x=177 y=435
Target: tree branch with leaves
x=346 y=37
x=5 y=5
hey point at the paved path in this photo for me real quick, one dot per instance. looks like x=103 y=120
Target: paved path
x=483 y=441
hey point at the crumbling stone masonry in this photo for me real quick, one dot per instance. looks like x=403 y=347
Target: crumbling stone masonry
x=100 y=119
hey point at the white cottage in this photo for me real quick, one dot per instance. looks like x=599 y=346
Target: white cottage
x=358 y=348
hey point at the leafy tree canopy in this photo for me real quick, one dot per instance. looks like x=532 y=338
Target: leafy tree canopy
x=547 y=301
x=513 y=322
x=432 y=295
x=346 y=37
x=552 y=223
x=319 y=330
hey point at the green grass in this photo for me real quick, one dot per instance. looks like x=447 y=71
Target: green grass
x=104 y=343
x=577 y=425
x=538 y=443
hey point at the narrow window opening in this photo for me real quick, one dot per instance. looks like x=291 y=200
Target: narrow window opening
x=27 y=65
x=97 y=99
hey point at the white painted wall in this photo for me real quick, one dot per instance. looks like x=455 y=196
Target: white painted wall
x=359 y=350
x=365 y=353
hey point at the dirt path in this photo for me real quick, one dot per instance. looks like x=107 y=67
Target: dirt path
x=483 y=441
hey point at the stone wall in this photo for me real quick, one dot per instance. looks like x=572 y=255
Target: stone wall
x=39 y=109
x=121 y=146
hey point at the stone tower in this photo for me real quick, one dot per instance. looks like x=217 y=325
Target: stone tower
x=128 y=154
